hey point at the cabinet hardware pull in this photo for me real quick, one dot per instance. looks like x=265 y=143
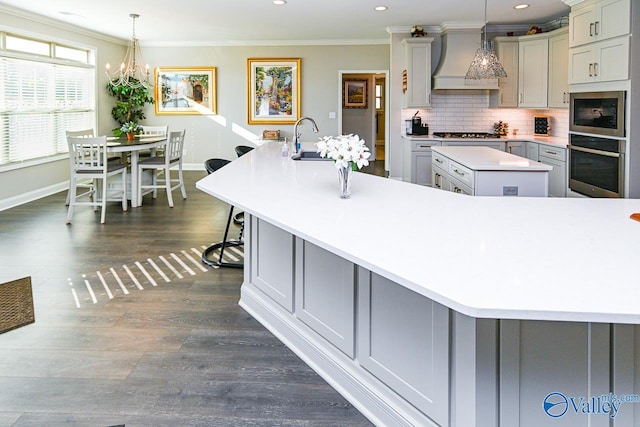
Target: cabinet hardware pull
x=510 y=148
x=457 y=190
x=424 y=146
x=597 y=27
x=437 y=180
x=438 y=160
x=553 y=153
x=591 y=25
x=458 y=172
x=520 y=97
x=595 y=69
x=591 y=70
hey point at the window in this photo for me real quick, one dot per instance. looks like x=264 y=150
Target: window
x=45 y=89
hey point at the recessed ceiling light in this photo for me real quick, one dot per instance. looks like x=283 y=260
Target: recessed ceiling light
x=521 y=6
x=380 y=8
x=279 y=2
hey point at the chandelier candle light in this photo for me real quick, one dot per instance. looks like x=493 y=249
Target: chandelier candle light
x=485 y=64
x=349 y=153
x=132 y=72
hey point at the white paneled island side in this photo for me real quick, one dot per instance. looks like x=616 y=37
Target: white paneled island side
x=430 y=308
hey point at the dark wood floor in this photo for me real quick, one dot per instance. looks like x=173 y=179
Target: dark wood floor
x=122 y=338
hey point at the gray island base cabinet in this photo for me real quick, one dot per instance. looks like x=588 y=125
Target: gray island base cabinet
x=403 y=359
x=448 y=327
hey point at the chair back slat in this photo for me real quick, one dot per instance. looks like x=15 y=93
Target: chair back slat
x=88 y=154
x=174 y=147
x=84 y=133
x=155 y=130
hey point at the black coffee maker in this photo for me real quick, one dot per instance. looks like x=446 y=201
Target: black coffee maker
x=415 y=126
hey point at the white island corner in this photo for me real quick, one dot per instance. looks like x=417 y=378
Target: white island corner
x=428 y=308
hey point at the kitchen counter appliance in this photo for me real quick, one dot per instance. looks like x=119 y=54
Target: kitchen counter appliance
x=414 y=126
x=596 y=166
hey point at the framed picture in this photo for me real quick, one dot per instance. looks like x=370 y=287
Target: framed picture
x=354 y=94
x=185 y=90
x=273 y=90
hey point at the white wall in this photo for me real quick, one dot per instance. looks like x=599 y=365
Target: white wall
x=208 y=137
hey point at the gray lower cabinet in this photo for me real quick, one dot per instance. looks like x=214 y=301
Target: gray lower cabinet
x=405 y=360
x=325 y=295
x=272 y=262
x=403 y=339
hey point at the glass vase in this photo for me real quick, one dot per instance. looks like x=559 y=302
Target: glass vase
x=344 y=177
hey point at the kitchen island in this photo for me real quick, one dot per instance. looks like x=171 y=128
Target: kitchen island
x=484 y=171
x=428 y=308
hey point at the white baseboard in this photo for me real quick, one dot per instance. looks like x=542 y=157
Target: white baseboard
x=30 y=196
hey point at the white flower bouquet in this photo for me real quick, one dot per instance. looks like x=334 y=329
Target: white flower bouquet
x=344 y=150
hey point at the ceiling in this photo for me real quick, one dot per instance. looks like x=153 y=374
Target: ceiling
x=245 y=21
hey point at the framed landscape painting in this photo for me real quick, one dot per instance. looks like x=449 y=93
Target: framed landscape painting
x=185 y=90
x=354 y=94
x=273 y=90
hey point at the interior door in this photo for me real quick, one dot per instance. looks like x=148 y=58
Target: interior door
x=380 y=102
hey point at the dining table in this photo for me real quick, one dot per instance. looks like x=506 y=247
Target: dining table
x=123 y=146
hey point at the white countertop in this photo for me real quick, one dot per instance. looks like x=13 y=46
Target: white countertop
x=487 y=257
x=490 y=159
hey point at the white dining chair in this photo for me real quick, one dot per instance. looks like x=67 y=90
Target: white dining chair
x=86 y=184
x=171 y=157
x=88 y=158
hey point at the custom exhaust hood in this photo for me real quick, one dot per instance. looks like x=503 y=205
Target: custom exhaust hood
x=459 y=44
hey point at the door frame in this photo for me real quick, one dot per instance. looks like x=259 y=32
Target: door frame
x=341 y=74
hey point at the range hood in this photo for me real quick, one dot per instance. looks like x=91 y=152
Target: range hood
x=459 y=44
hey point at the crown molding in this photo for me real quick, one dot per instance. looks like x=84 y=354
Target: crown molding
x=322 y=42
x=405 y=29
x=572 y=3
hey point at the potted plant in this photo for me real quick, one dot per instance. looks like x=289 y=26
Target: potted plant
x=129 y=104
x=130 y=128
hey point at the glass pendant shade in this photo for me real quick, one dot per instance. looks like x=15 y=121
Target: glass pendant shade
x=133 y=72
x=485 y=64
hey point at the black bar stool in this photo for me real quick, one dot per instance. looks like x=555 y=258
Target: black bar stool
x=213 y=165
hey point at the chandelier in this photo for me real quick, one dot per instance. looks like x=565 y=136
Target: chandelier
x=485 y=64
x=132 y=72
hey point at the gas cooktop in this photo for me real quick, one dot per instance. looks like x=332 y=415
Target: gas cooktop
x=465 y=135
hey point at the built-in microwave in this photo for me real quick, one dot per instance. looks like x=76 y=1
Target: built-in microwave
x=600 y=113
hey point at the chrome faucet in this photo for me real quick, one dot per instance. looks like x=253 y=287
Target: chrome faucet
x=296 y=135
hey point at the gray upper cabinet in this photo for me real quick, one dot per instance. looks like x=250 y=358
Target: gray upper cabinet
x=418 y=68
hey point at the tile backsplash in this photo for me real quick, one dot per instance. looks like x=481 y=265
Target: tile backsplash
x=468 y=111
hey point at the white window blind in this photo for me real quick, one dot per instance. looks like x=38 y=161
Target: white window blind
x=39 y=101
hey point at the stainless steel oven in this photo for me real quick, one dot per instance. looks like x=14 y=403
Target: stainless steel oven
x=596 y=166
x=600 y=113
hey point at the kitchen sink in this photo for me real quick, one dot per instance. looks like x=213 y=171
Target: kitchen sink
x=308 y=155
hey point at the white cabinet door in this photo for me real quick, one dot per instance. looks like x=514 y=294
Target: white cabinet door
x=533 y=150
x=581 y=25
x=517 y=148
x=599 y=21
x=600 y=62
x=418 y=68
x=533 y=71
x=556 y=158
x=422 y=167
x=558 y=96
x=507 y=94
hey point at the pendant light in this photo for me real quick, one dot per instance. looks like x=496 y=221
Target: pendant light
x=485 y=64
x=132 y=72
